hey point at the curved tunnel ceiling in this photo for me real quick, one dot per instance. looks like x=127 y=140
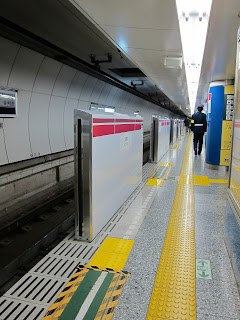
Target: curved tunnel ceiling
x=147 y=32
x=63 y=25
x=137 y=34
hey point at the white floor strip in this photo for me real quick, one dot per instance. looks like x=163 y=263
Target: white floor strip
x=86 y=304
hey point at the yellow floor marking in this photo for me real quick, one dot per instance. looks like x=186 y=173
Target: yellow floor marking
x=186 y=179
x=109 y=260
x=194 y=180
x=113 y=253
x=218 y=181
x=165 y=164
x=155 y=182
x=117 y=245
x=201 y=181
x=173 y=295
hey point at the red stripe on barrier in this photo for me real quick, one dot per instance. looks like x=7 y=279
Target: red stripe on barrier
x=127 y=127
x=103 y=130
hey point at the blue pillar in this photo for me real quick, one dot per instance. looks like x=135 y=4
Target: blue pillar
x=214 y=119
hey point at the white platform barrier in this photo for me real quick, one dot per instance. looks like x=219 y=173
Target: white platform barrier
x=160 y=138
x=108 y=167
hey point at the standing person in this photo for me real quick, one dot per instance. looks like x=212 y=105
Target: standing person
x=187 y=124
x=199 y=127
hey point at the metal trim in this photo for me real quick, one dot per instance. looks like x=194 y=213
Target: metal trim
x=83 y=175
x=234 y=110
x=155 y=142
x=234 y=205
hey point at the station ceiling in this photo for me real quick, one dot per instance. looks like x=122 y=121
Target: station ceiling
x=132 y=36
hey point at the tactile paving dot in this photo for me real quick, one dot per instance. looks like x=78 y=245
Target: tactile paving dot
x=173 y=295
x=172 y=304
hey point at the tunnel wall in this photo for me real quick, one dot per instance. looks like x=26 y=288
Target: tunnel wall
x=33 y=145
x=48 y=92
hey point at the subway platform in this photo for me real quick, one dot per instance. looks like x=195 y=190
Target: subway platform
x=161 y=256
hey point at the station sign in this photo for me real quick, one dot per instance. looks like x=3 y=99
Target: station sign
x=8 y=104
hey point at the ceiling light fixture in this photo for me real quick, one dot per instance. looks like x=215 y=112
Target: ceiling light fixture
x=193 y=16
x=173 y=62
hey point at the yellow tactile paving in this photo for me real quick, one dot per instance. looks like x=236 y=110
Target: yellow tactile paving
x=218 y=181
x=117 y=245
x=186 y=179
x=172 y=304
x=165 y=164
x=109 y=260
x=201 y=181
x=194 y=180
x=113 y=253
x=173 y=295
x=155 y=182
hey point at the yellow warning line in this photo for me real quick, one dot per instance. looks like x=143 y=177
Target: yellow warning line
x=218 y=181
x=173 y=295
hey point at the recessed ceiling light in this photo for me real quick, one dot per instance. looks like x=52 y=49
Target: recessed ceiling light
x=193 y=18
x=173 y=62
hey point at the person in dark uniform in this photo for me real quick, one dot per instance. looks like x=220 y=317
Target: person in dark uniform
x=199 y=127
x=187 y=124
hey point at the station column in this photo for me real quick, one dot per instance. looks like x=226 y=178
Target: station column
x=219 y=118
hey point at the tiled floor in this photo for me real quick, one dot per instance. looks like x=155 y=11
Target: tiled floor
x=217 y=298
x=144 y=218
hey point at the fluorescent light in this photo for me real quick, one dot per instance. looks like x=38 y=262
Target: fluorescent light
x=193 y=18
x=107 y=109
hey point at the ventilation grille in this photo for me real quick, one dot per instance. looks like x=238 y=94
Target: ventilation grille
x=32 y=295
x=16 y=310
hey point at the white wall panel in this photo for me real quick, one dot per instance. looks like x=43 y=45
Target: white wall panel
x=25 y=69
x=83 y=105
x=46 y=76
x=111 y=96
x=8 y=52
x=88 y=89
x=3 y=152
x=16 y=130
x=38 y=124
x=68 y=125
x=97 y=91
x=63 y=81
x=77 y=85
x=122 y=99
x=104 y=94
x=116 y=97
x=126 y=99
x=55 y=124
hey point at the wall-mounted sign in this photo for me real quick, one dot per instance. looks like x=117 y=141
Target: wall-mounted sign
x=8 y=104
x=228 y=102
